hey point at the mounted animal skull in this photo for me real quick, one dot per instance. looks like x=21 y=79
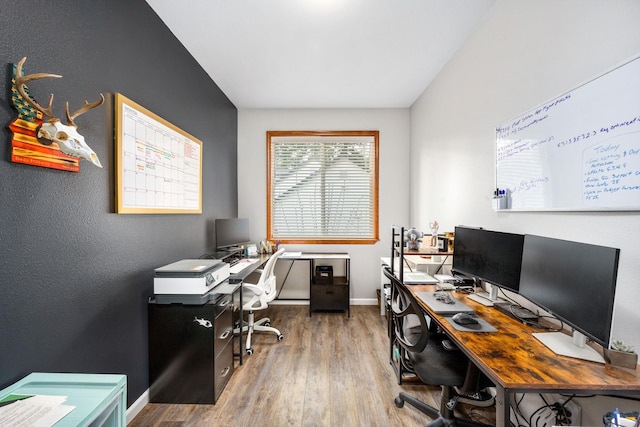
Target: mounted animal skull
x=69 y=140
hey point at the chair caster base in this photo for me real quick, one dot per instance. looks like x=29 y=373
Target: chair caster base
x=249 y=351
x=280 y=337
x=399 y=402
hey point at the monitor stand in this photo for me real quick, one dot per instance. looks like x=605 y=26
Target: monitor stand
x=570 y=346
x=489 y=298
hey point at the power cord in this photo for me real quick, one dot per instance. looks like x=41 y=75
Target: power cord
x=518 y=412
x=515 y=305
x=561 y=414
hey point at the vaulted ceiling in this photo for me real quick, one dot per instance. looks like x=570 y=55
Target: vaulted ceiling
x=322 y=53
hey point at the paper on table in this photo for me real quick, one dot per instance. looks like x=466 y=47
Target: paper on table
x=291 y=254
x=36 y=411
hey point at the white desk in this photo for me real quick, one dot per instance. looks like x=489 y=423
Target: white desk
x=326 y=296
x=430 y=264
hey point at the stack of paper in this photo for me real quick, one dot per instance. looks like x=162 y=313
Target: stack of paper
x=32 y=411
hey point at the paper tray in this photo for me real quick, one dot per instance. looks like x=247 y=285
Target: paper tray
x=188 y=268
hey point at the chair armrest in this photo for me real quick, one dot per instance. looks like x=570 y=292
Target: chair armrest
x=257 y=290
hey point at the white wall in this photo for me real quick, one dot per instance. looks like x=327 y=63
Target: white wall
x=523 y=54
x=393 y=125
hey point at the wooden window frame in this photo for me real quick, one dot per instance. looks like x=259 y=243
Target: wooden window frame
x=375 y=196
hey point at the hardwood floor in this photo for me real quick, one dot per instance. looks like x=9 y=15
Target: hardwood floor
x=329 y=370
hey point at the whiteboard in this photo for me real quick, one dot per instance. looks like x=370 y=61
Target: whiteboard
x=579 y=151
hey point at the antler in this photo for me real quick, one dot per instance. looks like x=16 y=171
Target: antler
x=86 y=107
x=22 y=79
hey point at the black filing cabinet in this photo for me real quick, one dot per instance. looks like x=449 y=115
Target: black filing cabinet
x=329 y=292
x=190 y=350
x=334 y=296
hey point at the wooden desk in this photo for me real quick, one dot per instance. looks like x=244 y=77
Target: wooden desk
x=518 y=363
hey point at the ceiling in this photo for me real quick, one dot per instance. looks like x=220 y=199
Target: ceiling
x=322 y=53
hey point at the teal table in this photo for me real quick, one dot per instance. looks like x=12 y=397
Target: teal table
x=99 y=399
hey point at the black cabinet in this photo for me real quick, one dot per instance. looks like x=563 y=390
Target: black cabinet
x=328 y=291
x=190 y=350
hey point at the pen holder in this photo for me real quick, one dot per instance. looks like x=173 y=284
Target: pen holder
x=609 y=419
x=498 y=203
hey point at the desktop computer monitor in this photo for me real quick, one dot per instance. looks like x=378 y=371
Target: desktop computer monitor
x=492 y=256
x=232 y=232
x=576 y=283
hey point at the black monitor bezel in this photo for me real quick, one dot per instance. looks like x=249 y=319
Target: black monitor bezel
x=222 y=224
x=567 y=263
x=513 y=241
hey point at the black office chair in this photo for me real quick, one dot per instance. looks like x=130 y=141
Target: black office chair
x=433 y=362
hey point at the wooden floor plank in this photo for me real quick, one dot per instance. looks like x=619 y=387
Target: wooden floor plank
x=330 y=370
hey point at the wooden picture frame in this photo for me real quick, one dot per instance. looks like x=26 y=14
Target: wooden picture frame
x=158 y=165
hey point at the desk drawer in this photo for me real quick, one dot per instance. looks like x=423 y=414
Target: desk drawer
x=223 y=369
x=329 y=297
x=223 y=330
x=222 y=303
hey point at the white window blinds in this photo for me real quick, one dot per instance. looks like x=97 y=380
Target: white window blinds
x=323 y=187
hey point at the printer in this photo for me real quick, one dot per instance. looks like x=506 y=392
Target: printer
x=190 y=277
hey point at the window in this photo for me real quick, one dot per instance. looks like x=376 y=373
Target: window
x=322 y=187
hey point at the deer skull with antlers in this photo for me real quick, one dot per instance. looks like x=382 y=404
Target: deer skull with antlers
x=69 y=140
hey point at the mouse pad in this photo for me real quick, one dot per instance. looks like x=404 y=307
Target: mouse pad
x=481 y=326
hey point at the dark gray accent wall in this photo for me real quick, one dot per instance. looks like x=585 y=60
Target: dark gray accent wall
x=74 y=275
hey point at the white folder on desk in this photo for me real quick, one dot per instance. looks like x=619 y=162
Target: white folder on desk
x=291 y=255
x=418 y=278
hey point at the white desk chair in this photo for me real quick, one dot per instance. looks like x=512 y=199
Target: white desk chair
x=257 y=297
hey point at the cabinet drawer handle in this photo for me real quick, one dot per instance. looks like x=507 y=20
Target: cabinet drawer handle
x=224 y=335
x=225 y=371
x=224 y=303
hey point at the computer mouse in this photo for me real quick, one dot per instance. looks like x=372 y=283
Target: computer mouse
x=464 y=319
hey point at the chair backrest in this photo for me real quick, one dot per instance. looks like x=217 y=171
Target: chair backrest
x=267 y=279
x=409 y=322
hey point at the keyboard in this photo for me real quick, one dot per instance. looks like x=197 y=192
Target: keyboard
x=226 y=288
x=238 y=267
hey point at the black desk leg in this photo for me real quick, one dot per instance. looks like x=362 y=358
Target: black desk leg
x=311 y=264
x=240 y=346
x=502 y=407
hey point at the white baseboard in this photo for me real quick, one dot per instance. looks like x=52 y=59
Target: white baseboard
x=137 y=406
x=364 y=301
x=290 y=302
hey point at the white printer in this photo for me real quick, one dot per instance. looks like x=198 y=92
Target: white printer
x=190 y=277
